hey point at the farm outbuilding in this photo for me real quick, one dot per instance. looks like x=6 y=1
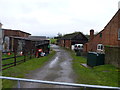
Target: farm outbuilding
x=22 y=41
x=15 y=33
x=9 y=38
x=71 y=39
x=40 y=42
x=21 y=46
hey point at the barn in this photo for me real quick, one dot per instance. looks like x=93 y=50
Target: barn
x=71 y=39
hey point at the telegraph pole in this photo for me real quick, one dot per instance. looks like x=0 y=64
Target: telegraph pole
x=1 y=38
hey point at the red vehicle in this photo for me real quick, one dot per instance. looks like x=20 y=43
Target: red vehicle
x=38 y=52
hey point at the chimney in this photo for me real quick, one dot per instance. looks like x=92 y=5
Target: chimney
x=91 y=34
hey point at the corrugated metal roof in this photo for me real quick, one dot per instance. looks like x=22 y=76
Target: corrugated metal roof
x=37 y=37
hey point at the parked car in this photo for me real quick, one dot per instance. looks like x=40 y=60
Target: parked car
x=78 y=47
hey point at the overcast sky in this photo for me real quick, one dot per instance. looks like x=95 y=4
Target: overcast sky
x=50 y=17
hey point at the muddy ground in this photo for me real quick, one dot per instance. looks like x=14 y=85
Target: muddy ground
x=59 y=69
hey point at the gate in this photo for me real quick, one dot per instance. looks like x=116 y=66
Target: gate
x=59 y=83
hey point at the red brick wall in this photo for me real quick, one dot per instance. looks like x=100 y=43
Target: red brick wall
x=15 y=33
x=62 y=43
x=68 y=43
x=65 y=43
x=119 y=24
x=10 y=33
x=109 y=35
x=112 y=56
x=22 y=34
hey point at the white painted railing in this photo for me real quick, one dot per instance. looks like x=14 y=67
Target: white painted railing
x=59 y=83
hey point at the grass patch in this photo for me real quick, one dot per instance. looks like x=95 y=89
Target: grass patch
x=53 y=41
x=20 y=70
x=12 y=59
x=106 y=75
x=6 y=55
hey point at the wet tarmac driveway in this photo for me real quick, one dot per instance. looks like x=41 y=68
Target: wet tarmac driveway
x=59 y=69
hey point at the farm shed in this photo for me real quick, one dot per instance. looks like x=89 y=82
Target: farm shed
x=40 y=42
x=11 y=42
x=71 y=39
x=9 y=35
x=16 y=33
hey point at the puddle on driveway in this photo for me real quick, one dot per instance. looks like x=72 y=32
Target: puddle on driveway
x=58 y=69
x=52 y=63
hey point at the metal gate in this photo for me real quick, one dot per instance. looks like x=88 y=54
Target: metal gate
x=58 y=83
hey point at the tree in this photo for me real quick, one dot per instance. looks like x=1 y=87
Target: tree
x=59 y=35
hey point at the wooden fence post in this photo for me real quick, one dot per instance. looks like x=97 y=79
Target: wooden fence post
x=15 y=50
x=1 y=38
x=30 y=49
x=15 y=53
x=30 y=53
x=24 y=54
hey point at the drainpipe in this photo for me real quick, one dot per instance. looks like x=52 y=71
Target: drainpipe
x=1 y=55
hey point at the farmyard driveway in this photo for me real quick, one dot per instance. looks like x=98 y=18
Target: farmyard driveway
x=59 y=69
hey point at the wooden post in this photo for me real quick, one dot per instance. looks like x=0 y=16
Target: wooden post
x=1 y=38
x=15 y=50
x=25 y=51
x=30 y=49
x=15 y=53
x=24 y=56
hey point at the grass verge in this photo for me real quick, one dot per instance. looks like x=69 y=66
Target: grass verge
x=53 y=41
x=19 y=71
x=106 y=75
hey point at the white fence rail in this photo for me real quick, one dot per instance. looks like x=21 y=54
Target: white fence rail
x=58 y=83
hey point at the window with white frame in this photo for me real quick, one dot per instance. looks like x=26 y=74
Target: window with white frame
x=119 y=34
x=100 y=47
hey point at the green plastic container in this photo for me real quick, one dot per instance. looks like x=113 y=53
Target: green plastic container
x=95 y=59
x=78 y=53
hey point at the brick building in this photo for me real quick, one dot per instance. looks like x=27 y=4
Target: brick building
x=41 y=42
x=109 y=36
x=74 y=38
x=10 y=35
x=19 y=40
x=16 y=33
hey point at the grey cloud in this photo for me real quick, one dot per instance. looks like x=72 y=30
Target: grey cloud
x=15 y=15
